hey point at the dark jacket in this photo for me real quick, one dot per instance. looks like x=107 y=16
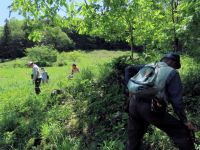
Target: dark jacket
x=173 y=89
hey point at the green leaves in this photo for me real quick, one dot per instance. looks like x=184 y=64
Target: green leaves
x=156 y=24
x=43 y=55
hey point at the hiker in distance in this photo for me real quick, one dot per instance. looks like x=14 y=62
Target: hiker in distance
x=36 y=76
x=45 y=76
x=148 y=105
x=74 y=70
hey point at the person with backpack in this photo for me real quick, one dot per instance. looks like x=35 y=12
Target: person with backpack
x=45 y=75
x=36 y=74
x=151 y=88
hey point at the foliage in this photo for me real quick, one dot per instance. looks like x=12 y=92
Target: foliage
x=137 y=22
x=5 y=39
x=18 y=35
x=13 y=41
x=74 y=56
x=89 y=113
x=43 y=55
x=40 y=14
x=1 y=31
x=56 y=37
x=41 y=122
x=188 y=27
x=16 y=28
x=62 y=59
x=160 y=25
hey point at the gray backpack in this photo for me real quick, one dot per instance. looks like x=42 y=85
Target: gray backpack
x=150 y=81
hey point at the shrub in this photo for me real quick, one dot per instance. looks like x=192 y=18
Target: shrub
x=43 y=55
x=62 y=59
x=59 y=39
x=74 y=56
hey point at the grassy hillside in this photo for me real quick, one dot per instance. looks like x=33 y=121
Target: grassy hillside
x=89 y=114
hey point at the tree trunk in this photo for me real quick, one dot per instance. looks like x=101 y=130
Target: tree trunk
x=176 y=42
x=131 y=40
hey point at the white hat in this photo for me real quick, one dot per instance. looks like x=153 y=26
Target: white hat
x=30 y=63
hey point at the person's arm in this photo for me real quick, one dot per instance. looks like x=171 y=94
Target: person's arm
x=130 y=71
x=37 y=73
x=175 y=93
x=34 y=74
x=46 y=74
x=174 y=89
x=72 y=72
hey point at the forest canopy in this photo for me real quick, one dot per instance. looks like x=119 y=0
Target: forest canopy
x=151 y=25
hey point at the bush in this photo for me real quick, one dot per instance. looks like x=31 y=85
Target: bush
x=62 y=59
x=74 y=56
x=43 y=55
x=59 y=39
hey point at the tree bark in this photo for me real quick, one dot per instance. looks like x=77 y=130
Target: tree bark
x=176 y=42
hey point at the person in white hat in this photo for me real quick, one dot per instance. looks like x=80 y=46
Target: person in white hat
x=36 y=76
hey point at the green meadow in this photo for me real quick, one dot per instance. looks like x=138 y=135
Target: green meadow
x=19 y=104
x=16 y=76
x=89 y=113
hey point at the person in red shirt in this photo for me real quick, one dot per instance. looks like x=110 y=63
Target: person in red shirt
x=75 y=69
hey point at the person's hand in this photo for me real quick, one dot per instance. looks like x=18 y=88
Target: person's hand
x=190 y=126
x=130 y=94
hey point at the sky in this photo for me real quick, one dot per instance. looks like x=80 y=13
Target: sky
x=4 y=12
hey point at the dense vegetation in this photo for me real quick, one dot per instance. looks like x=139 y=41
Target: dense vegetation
x=156 y=24
x=16 y=36
x=95 y=24
x=89 y=113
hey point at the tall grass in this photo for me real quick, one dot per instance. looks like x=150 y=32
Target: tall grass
x=88 y=114
x=26 y=118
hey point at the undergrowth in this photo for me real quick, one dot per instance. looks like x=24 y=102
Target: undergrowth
x=88 y=114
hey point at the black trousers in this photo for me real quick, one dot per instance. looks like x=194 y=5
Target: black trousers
x=37 y=85
x=140 y=116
